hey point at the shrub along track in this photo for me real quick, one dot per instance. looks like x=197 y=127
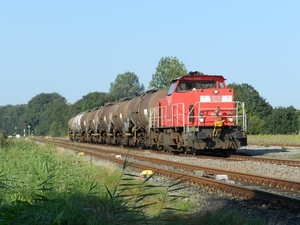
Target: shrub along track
x=186 y=172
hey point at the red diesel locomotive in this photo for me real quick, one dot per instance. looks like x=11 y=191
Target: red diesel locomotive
x=197 y=113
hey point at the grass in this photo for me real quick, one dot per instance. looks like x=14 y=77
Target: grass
x=267 y=140
x=38 y=185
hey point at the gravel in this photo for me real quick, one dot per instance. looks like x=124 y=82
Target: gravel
x=210 y=201
x=260 y=168
x=217 y=201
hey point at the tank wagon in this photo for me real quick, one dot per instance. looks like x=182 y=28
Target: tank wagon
x=198 y=113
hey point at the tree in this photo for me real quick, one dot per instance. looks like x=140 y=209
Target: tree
x=74 y=109
x=255 y=125
x=255 y=105
x=282 y=121
x=54 y=129
x=92 y=100
x=168 y=69
x=298 y=120
x=58 y=115
x=44 y=109
x=12 y=118
x=125 y=85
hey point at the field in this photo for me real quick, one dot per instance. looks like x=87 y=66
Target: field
x=268 y=140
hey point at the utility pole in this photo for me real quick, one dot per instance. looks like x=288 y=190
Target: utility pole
x=25 y=129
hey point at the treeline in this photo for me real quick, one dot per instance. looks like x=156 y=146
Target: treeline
x=49 y=113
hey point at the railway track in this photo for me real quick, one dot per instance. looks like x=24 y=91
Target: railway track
x=287 y=189
x=287 y=162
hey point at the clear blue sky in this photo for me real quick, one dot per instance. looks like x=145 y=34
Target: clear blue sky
x=76 y=47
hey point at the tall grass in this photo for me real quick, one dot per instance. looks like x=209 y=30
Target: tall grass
x=40 y=186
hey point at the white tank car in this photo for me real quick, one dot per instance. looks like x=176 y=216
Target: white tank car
x=74 y=123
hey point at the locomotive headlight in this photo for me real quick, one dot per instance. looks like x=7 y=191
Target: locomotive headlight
x=201 y=118
x=230 y=119
x=216 y=92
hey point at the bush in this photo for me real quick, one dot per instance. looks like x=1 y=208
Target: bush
x=3 y=138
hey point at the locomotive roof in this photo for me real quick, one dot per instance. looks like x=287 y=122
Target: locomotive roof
x=199 y=76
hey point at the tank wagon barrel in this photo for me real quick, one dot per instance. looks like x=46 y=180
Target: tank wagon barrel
x=75 y=130
x=197 y=113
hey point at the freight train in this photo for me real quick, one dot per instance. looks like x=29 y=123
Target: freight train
x=196 y=114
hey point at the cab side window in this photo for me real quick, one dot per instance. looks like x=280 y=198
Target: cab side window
x=171 y=89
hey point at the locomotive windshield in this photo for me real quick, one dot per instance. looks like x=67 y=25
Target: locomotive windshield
x=184 y=86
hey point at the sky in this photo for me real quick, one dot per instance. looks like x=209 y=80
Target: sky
x=74 y=47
